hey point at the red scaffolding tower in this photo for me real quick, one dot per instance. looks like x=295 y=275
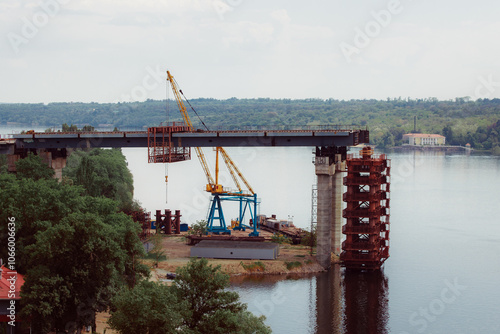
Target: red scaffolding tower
x=161 y=147
x=367 y=212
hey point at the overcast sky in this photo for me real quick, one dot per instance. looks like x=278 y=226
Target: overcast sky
x=118 y=50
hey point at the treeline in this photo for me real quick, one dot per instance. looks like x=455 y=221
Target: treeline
x=81 y=255
x=76 y=250
x=470 y=121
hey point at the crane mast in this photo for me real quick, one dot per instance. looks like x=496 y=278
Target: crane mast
x=246 y=198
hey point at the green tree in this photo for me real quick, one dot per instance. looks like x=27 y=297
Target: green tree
x=148 y=308
x=93 y=243
x=86 y=176
x=309 y=238
x=69 y=128
x=34 y=168
x=3 y=163
x=199 y=228
x=76 y=250
x=157 y=251
x=205 y=306
x=103 y=173
x=448 y=133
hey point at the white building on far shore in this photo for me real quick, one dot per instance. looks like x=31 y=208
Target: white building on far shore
x=424 y=139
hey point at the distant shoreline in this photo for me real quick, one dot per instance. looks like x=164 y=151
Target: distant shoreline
x=442 y=148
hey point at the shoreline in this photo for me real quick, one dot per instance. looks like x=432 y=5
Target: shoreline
x=292 y=260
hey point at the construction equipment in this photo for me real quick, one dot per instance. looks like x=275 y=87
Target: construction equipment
x=246 y=197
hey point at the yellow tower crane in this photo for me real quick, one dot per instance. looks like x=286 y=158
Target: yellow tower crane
x=246 y=197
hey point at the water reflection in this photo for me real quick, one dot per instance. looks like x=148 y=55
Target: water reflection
x=352 y=302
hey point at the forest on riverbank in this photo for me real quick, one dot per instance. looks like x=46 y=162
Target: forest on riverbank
x=79 y=251
x=461 y=120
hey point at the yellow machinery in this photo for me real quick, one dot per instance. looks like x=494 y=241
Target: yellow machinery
x=247 y=198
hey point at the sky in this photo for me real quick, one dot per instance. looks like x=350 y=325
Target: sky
x=119 y=50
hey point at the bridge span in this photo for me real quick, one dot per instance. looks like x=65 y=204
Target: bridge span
x=313 y=138
x=331 y=147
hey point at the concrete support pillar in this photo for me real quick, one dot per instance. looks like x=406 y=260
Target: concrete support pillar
x=57 y=165
x=11 y=162
x=324 y=172
x=337 y=219
x=55 y=160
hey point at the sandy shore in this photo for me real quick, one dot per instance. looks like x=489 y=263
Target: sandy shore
x=293 y=259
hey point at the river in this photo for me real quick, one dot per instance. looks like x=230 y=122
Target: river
x=444 y=263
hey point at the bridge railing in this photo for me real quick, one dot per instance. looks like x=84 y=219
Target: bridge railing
x=322 y=127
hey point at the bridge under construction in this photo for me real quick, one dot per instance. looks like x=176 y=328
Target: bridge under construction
x=366 y=245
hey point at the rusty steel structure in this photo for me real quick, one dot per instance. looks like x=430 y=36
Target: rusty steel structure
x=168 y=223
x=161 y=148
x=366 y=230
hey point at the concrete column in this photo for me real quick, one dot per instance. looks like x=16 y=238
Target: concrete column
x=57 y=165
x=324 y=172
x=337 y=201
x=11 y=162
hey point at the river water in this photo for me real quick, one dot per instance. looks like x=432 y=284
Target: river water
x=444 y=262
x=444 y=267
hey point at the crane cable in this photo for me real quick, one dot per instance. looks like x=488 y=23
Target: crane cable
x=180 y=91
x=166 y=165
x=167 y=102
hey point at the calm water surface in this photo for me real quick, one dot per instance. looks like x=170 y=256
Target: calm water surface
x=444 y=269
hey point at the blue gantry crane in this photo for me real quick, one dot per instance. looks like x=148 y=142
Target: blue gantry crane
x=246 y=197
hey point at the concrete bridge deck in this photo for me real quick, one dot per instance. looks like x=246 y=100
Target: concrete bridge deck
x=312 y=138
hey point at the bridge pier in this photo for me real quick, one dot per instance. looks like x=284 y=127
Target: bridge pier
x=329 y=163
x=54 y=158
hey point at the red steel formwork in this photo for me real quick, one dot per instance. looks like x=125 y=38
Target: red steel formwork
x=367 y=211
x=160 y=145
x=168 y=223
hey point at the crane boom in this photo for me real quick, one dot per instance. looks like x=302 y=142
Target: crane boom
x=182 y=108
x=213 y=186
x=180 y=104
x=232 y=169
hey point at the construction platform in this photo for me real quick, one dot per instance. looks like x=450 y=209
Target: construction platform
x=249 y=250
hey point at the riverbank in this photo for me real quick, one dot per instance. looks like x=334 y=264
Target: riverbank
x=293 y=259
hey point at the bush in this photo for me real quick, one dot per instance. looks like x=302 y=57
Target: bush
x=200 y=228
x=280 y=238
x=294 y=264
x=256 y=266
x=306 y=238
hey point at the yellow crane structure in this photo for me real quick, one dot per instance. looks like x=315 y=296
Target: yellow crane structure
x=247 y=198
